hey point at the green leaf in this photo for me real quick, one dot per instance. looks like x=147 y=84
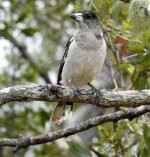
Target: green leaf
x=29 y=31
x=97 y=4
x=21 y=17
x=123 y=66
x=148 y=82
x=120 y=11
x=103 y=7
x=146 y=133
x=118 y=133
x=78 y=149
x=137 y=47
x=125 y=26
x=104 y=133
x=141 y=81
x=131 y=69
x=76 y=7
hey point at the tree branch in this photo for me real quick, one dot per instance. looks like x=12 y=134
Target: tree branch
x=24 y=142
x=25 y=54
x=55 y=93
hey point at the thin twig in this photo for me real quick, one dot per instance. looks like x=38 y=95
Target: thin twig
x=112 y=74
x=116 y=55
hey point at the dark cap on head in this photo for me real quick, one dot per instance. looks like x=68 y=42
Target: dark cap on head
x=88 y=15
x=84 y=16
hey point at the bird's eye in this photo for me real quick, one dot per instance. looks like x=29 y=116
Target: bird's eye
x=98 y=36
x=93 y=16
x=88 y=16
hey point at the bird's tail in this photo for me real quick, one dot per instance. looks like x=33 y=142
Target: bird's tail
x=61 y=112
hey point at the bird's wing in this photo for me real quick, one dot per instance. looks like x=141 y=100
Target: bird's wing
x=62 y=109
x=63 y=60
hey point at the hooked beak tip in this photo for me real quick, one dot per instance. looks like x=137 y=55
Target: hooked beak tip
x=72 y=16
x=77 y=17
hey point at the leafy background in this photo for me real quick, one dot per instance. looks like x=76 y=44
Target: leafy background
x=33 y=34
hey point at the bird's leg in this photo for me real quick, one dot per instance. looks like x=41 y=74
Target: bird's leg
x=76 y=90
x=70 y=84
x=96 y=92
x=92 y=87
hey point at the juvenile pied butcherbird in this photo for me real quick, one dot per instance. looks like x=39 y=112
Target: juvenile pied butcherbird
x=83 y=58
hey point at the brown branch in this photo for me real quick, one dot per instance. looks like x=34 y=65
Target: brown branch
x=55 y=93
x=116 y=55
x=24 y=142
x=95 y=151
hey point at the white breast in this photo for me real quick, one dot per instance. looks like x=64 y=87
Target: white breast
x=82 y=65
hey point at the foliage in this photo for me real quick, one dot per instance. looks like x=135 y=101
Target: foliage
x=43 y=27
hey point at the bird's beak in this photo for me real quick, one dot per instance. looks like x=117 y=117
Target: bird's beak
x=77 y=16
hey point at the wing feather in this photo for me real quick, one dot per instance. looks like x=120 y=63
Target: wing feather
x=63 y=60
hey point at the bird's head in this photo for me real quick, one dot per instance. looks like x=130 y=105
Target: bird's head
x=86 y=17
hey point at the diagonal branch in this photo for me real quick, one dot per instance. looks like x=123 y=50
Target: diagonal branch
x=55 y=93
x=26 y=55
x=24 y=142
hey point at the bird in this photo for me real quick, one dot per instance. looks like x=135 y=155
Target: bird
x=83 y=59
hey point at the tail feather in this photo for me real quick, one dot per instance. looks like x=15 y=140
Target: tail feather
x=61 y=112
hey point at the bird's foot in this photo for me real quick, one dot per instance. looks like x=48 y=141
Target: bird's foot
x=93 y=88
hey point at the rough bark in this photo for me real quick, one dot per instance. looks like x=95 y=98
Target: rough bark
x=24 y=142
x=55 y=93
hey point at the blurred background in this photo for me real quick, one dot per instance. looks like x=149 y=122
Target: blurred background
x=33 y=34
